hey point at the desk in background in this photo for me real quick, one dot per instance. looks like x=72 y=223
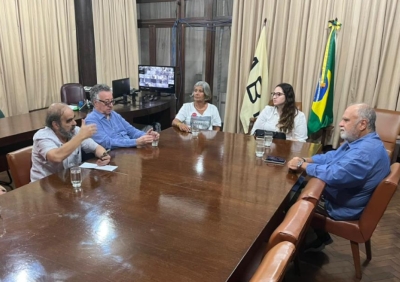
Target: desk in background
x=17 y=131
x=188 y=210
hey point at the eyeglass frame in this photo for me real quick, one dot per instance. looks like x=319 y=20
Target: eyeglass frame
x=278 y=94
x=107 y=103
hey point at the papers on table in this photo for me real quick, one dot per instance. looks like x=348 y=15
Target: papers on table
x=95 y=166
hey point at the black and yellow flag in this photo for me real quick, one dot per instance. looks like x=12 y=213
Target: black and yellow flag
x=257 y=91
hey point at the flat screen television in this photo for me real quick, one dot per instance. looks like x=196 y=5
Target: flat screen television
x=121 y=89
x=157 y=78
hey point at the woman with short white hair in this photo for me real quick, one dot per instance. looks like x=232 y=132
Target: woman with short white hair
x=198 y=108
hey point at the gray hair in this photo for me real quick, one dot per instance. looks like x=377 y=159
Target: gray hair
x=54 y=113
x=366 y=112
x=94 y=92
x=206 y=89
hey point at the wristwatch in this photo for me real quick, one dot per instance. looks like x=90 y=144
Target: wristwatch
x=299 y=163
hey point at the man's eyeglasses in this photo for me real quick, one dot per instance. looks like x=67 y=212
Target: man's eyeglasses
x=107 y=103
x=277 y=94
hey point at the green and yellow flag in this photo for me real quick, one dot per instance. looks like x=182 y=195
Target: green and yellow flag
x=322 y=107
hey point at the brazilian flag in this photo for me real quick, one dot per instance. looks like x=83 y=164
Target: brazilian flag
x=322 y=107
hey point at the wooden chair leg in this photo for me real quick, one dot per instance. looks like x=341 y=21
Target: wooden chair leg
x=368 y=249
x=356 y=258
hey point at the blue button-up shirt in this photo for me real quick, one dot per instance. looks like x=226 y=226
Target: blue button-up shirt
x=351 y=173
x=114 y=132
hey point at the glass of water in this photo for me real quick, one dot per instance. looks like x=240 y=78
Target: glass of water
x=259 y=147
x=155 y=142
x=268 y=139
x=76 y=176
x=195 y=131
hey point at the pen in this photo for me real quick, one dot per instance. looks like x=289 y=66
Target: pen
x=105 y=154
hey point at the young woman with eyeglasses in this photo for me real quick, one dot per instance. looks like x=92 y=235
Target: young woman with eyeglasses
x=283 y=116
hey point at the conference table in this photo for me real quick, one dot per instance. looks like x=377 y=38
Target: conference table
x=191 y=209
x=17 y=131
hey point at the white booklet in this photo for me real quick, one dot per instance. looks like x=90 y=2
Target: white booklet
x=95 y=166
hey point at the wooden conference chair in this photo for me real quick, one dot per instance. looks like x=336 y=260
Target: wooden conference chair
x=20 y=163
x=388 y=127
x=293 y=225
x=274 y=263
x=297 y=220
x=360 y=231
x=313 y=190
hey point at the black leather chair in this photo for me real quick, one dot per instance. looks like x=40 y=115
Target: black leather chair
x=72 y=93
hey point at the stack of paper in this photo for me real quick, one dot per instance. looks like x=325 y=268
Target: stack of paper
x=95 y=166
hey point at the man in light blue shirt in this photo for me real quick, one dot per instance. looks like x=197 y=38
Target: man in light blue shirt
x=113 y=131
x=354 y=170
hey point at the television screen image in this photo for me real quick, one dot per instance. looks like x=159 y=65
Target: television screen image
x=157 y=78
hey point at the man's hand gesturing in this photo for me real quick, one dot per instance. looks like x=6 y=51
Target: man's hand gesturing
x=87 y=131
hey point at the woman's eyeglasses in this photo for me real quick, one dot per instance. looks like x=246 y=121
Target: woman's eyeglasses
x=277 y=94
x=107 y=103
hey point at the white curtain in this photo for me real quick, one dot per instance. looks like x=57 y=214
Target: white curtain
x=12 y=76
x=116 y=41
x=50 y=52
x=38 y=53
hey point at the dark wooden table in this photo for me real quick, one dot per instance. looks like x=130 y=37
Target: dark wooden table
x=17 y=131
x=188 y=210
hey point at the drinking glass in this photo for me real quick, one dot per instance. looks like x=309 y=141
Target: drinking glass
x=268 y=139
x=155 y=142
x=157 y=128
x=195 y=131
x=259 y=147
x=76 y=176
